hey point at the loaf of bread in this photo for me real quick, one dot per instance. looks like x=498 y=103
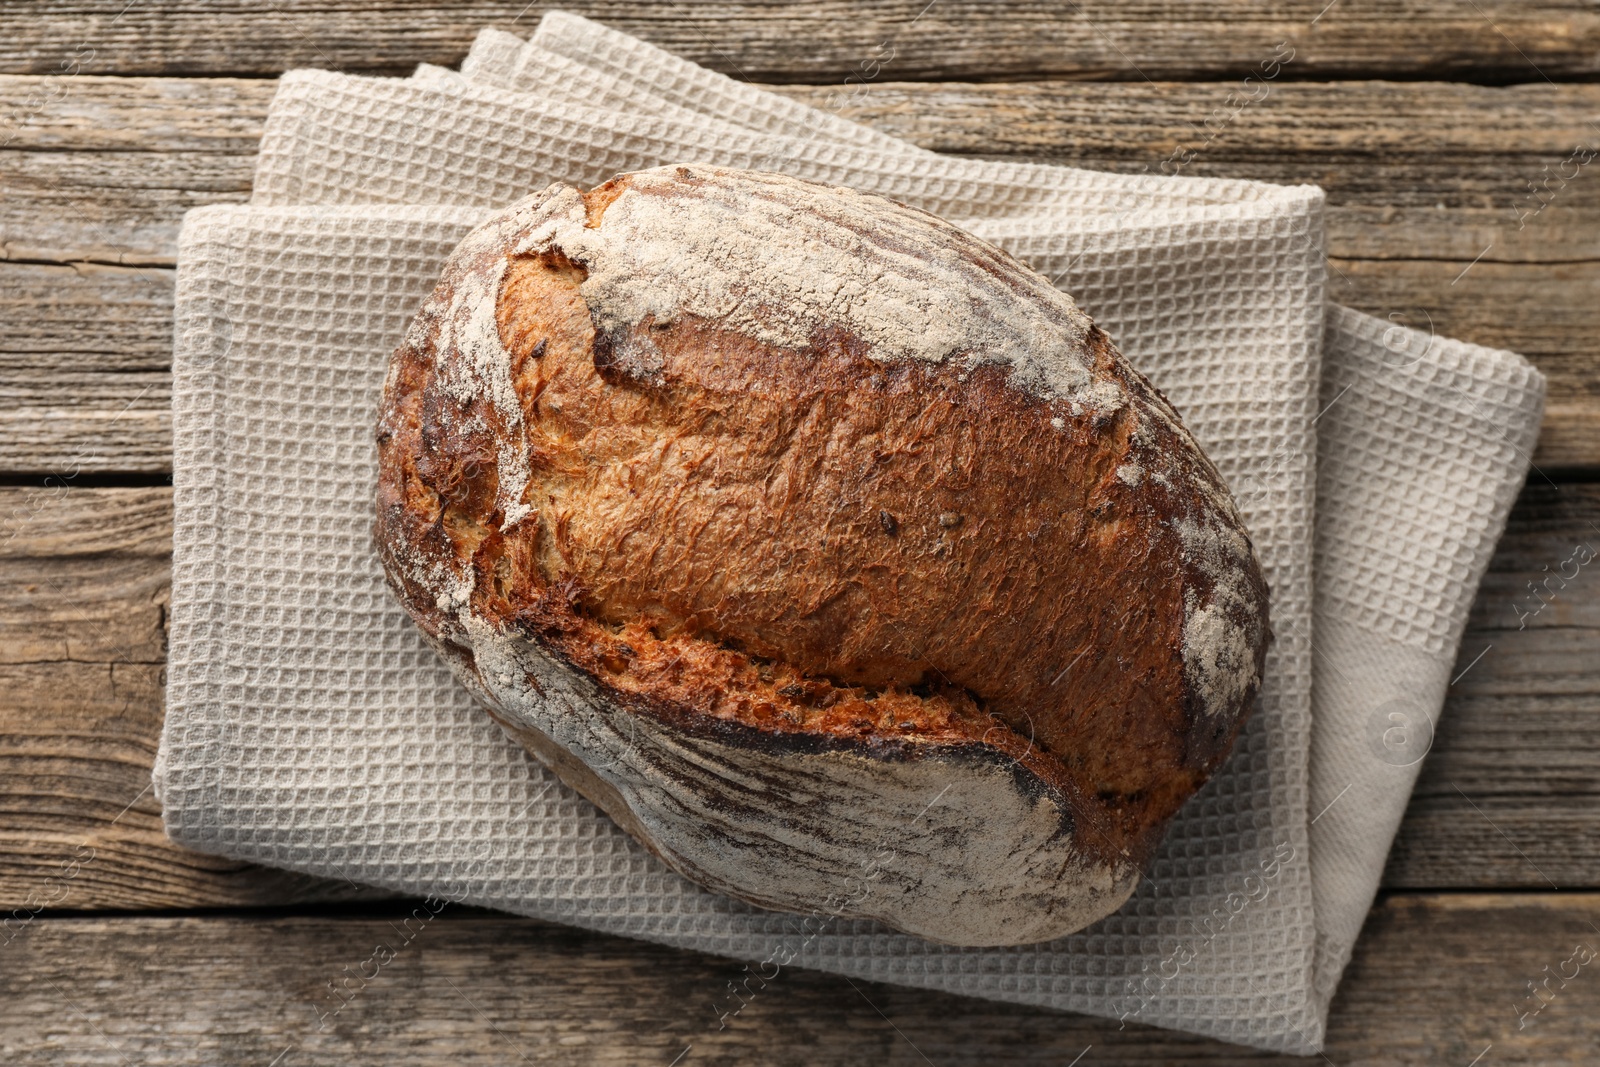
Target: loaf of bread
x=835 y=554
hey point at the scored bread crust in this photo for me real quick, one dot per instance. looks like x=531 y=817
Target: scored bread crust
x=821 y=544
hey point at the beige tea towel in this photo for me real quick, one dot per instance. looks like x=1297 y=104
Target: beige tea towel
x=1382 y=660
x=301 y=707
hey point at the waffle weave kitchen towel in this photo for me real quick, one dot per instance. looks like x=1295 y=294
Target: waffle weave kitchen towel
x=1390 y=594
x=309 y=727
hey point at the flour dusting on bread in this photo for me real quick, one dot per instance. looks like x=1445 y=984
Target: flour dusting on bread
x=767 y=257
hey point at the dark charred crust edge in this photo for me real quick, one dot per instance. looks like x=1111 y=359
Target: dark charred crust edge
x=690 y=722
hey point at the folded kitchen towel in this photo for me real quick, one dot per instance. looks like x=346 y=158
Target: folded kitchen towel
x=622 y=73
x=1161 y=261
x=352 y=143
x=309 y=727
x=1389 y=604
x=1423 y=444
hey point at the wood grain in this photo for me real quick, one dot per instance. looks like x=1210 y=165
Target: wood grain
x=85 y=384
x=99 y=175
x=1435 y=170
x=1512 y=772
x=1508 y=797
x=84 y=576
x=84 y=317
x=1496 y=40
x=103 y=168
x=1435 y=979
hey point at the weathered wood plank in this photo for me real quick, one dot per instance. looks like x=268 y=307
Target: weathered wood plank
x=827 y=39
x=65 y=422
x=105 y=167
x=1433 y=170
x=1509 y=792
x=87 y=317
x=104 y=170
x=1435 y=979
x=85 y=384
x=83 y=609
x=110 y=207
x=1478 y=840
x=83 y=585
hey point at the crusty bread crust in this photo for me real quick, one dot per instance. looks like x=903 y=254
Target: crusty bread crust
x=774 y=474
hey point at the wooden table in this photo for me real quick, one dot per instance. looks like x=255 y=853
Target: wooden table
x=1453 y=140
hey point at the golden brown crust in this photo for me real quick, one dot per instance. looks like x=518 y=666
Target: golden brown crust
x=802 y=547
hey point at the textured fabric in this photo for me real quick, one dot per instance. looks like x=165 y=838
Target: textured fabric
x=1423 y=444
x=1157 y=261
x=309 y=727
x=624 y=73
x=1422 y=448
